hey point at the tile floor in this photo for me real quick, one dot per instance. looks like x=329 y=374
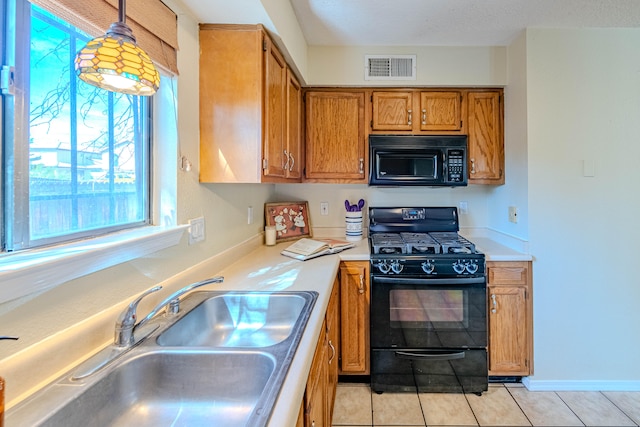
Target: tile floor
x=502 y=405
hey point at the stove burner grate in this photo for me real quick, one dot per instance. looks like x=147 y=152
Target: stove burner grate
x=421 y=243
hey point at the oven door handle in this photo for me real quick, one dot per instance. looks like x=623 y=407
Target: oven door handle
x=414 y=281
x=430 y=356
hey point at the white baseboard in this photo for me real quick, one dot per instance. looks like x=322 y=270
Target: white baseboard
x=579 y=385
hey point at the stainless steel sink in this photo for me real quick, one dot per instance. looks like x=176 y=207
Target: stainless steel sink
x=221 y=362
x=170 y=388
x=237 y=320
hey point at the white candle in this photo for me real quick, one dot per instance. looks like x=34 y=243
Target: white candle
x=270 y=235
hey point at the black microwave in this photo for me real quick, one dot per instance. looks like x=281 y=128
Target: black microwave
x=430 y=160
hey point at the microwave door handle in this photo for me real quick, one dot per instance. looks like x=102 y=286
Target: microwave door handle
x=430 y=356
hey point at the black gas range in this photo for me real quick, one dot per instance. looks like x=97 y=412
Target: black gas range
x=428 y=303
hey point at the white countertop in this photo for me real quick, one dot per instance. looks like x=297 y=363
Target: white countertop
x=494 y=251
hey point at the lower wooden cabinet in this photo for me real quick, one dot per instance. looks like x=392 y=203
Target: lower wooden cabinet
x=314 y=395
x=354 y=317
x=509 y=290
x=323 y=377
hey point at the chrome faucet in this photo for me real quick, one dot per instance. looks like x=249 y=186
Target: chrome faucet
x=126 y=323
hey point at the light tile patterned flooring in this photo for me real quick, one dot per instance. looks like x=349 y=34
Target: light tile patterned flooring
x=501 y=405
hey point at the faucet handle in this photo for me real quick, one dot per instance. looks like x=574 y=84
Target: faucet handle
x=174 y=304
x=127 y=319
x=8 y=338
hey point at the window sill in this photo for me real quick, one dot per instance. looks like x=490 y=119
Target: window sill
x=32 y=271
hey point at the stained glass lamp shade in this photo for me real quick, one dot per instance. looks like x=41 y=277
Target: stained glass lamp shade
x=115 y=62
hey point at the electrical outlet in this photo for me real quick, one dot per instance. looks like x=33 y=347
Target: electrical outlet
x=196 y=230
x=513 y=214
x=324 y=208
x=250 y=215
x=463 y=207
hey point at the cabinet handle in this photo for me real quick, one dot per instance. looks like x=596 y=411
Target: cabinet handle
x=293 y=162
x=333 y=352
x=286 y=164
x=361 y=286
x=424 y=116
x=473 y=165
x=409 y=117
x=493 y=302
x=361 y=165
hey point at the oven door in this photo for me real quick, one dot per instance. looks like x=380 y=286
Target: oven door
x=429 y=313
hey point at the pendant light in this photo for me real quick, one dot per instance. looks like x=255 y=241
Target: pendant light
x=115 y=62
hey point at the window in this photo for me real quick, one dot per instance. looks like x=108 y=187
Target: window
x=84 y=150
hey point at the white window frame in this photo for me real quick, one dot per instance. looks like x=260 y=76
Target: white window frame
x=31 y=271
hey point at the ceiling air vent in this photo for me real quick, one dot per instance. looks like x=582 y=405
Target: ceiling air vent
x=390 y=67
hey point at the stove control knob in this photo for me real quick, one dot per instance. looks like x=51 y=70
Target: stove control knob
x=472 y=267
x=396 y=266
x=458 y=267
x=428 y=267
x=383 y=267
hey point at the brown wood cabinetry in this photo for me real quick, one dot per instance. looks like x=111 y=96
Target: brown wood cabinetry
x=250 y=108
x=315 y=393
x=354 y=317
x=440 y=111
x=392 y=111
x=335 y=137
x=510 y=318
x=417 y=111
x=323 y=377
x=293 y=151
x=486 y=137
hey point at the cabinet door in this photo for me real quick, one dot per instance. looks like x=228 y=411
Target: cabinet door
x=440 y=111
x=274 y=112
x=314 y=398
x=508 y=344
x=294 y=152
x=333 y=342
x=335 y=136
x=354 y=317
x=231 y=98
x=486 y=144
x=392 y=111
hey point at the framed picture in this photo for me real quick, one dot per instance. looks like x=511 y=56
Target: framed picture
x=291 y=219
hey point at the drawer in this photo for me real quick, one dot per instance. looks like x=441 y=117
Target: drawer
x=507 y=273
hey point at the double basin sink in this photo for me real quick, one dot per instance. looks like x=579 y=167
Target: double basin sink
x=221 y=361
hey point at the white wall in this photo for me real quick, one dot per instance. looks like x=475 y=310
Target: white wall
x=514 y=191
x=335 y=194
x=435 y=66
x=583 y=103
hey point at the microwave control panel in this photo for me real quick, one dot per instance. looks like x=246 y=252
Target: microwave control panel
x=455 y=166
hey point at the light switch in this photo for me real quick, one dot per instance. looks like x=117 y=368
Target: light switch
x=588 y=168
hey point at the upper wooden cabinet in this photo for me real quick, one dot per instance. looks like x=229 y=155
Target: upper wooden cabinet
x=440 y=111
x=250 y=108
x=335 y=136
x=392 y=111
x=293 y=151
x=486 y=137
x=416 y=111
